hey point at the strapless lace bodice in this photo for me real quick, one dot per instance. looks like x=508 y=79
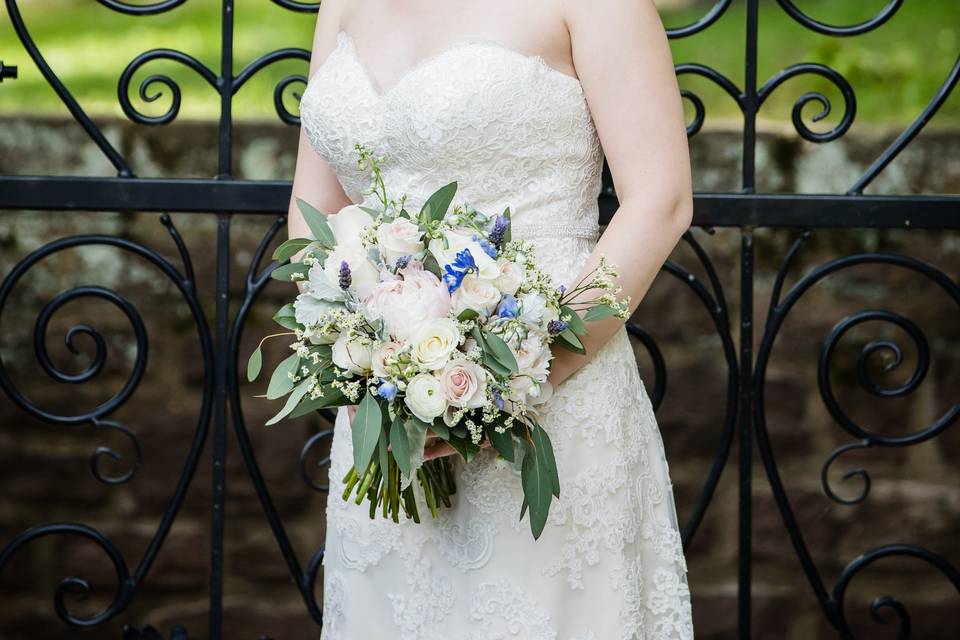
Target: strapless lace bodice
x=510 y=129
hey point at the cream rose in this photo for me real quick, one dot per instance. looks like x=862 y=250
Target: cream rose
x=464 y=384
x=407 y=303
x=511 y=277
x=424 y=397
x=364 y=275
x=399 y=238
x=381 y=354
x=351 y=356
x=348 y=224
x=477 y=294
x=434 y=341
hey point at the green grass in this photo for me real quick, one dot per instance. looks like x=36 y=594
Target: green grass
x=894 y=69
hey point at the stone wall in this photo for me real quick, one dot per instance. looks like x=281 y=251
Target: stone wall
x=45 y=469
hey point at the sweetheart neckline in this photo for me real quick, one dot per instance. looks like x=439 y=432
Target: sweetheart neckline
x=474 y=40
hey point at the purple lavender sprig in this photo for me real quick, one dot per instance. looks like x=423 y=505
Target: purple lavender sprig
x=345 y=277
x=556 y=326
x=500 y=224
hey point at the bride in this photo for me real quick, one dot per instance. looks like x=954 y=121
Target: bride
x=519 y=102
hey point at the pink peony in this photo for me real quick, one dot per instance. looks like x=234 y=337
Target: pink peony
x=406 y=304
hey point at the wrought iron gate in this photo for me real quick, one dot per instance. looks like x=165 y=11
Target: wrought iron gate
x=744 y=420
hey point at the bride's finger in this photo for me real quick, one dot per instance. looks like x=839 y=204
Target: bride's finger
x=438 y=450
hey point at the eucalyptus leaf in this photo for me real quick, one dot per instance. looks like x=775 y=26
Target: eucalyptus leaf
x=295 y=396
x=400 y=445
x=506 y=233
x=254 y=364
x=416 y=438
x=502 y=442
x=373 y=212
x=465 y=447
x=499 y=350
x=599 y=312
x=280 y=382
x=545 y=454
x=569 y=340
x=439 y=427
x=575 y=323
x=286 y=317
x=317 y=222
x=537 y=489
x=284 y=272
x=435 y=207
x=467 y=314
x=382 y=445
x=290 y=247
x=331 y=397
x=366 y=428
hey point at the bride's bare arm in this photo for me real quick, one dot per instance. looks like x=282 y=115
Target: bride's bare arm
x=623 y=59
x=313 y=179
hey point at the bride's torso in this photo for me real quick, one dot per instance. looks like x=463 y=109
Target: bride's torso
x=510 y=129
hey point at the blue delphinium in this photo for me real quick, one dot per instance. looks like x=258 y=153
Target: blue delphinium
x=508 y=307
x=387 y=391
x=487 y=247
x=498 y=399
x=453 y=274
x=402 y=262
x=345 y=277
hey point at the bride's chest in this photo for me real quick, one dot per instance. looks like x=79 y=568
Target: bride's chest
x=473 y=97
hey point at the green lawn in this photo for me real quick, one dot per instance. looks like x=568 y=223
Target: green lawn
x=894 y=69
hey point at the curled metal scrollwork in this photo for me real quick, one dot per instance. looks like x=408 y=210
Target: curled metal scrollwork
x=123 y=86
x=715 y=12
x=78 y=588
x=268 y=59
x=849 y=98
x=779 y=309
x=885 y=14
x=717 y=78
x=861 y=562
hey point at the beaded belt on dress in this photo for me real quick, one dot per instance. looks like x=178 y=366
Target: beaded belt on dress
x=585 y=229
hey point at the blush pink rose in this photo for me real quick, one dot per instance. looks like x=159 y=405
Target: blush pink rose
x=464 y=384
x=406 y=304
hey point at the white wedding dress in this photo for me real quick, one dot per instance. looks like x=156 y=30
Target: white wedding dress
x=511 y=130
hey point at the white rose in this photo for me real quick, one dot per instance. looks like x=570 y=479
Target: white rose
x=477 y=294
x=434 y=341
x=458 y=240
x=380 y=355
x=511 y=277
x=364 y=275
x=424 y=397
x=399 y=238
x=533 y=356
x=348 y=224
x=464 y=384
x=352 y=357
x=535 y=310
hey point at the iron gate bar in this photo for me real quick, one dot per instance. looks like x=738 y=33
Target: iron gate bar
x=271 y=197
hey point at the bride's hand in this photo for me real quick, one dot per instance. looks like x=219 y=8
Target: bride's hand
x=435 y=447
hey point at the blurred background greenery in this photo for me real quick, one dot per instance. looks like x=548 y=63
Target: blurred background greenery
x=894 y=69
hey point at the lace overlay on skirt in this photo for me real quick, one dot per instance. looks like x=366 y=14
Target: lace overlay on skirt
x=609 y=564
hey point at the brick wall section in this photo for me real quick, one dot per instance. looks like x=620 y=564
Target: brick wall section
x=45 y=469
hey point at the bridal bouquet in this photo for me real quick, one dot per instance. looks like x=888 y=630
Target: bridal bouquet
x=436 y=324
